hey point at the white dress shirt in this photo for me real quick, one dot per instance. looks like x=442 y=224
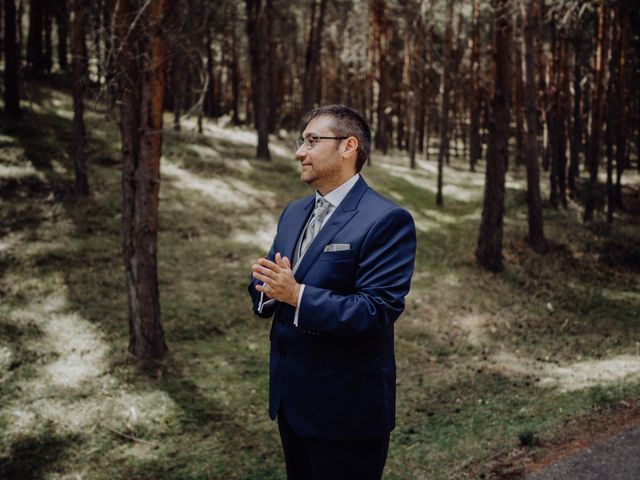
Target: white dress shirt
x=335 y=197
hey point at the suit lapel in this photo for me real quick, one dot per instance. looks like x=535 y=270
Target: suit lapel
x=345 y=211
x=295 y=227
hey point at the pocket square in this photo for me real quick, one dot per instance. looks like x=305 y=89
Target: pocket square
x=337 y=247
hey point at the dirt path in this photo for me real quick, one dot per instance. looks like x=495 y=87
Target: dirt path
x=617 y=458
x=602 y=446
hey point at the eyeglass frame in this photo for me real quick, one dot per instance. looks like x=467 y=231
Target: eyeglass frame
x=302 y=141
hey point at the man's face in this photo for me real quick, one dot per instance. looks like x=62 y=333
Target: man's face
x=321 y=165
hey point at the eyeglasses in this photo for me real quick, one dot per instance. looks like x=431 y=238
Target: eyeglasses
x=310 y=141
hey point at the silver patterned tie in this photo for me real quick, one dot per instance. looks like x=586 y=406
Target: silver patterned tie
x=319 y=213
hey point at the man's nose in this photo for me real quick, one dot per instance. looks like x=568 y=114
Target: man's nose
x=301 y=153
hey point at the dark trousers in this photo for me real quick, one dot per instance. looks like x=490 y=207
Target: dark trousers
x=316 y=459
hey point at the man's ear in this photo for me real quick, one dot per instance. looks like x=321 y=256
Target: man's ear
x=350 y=148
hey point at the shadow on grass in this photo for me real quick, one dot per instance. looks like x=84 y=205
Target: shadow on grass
x=34 y=457
x=199 y=410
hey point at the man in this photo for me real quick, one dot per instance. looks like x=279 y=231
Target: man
x=335 y=278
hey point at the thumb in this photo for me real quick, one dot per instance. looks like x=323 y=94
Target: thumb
x=278 y=259
x=286 y=261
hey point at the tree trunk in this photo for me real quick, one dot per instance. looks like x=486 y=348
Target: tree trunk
x=257 y=28
x=19 y=31
x=47 y=61
x=595 y=140
x=178 y=74
x=561 y=122
x=142 y=56
x=608 y=140
x=11 y=59
x=622 y=131
x=474 y=90
x=62 y=24
x=489 y=249
x=235 y=76
x=312 y=60
x=576 y=131
x=35 y=54
x=382 y=127
x=543 y=96
x=108 y=9
x=408 y=94
x=79 y=67
x=518 y=89
x=536 y=238
x=552 y=107
x=446 y=92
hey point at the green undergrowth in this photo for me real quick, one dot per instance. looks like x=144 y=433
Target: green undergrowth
x=480 y=356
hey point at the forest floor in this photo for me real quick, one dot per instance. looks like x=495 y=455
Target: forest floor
x=498 y=374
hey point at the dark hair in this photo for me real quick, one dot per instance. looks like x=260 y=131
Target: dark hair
x=347 y=123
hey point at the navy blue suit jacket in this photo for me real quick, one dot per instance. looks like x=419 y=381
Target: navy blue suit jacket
x=335 y=373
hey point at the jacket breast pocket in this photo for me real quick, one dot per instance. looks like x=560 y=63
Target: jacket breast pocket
x=337 y=256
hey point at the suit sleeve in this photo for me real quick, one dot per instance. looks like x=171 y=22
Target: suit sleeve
x=267 y=310
x=382 y=280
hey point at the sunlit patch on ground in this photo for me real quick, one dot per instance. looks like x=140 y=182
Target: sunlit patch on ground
x=472 y=326
x=261 y=232
x=14 y=171
x=428 y=220
x=572 y=376
x=72 y=367
x=457 y=191
x=204 y=151
x=283 y=151
x=228 y=191
x=5 y=359
x=235 y=135
x=239 y=165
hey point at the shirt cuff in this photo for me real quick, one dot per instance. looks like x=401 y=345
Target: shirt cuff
x=295 y=318
x=262 y=303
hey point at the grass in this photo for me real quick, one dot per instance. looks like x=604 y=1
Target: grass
x=480 y=356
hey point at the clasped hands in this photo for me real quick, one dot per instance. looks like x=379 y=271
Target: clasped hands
x=277 y=278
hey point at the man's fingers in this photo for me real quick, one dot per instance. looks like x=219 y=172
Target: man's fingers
x=286 y=262
x=269 y=264
x=264 y=271
x=260 y=276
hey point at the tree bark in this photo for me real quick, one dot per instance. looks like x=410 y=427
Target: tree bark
x=11 y=59
x=47 y=61
x=562 y=118
x=312 y=59
x=489 y=248
x=518 y=89
x=382 y=126
x=622 y=132
x=593 y=159
x=536 y=238
x=141 y=61
x=445 y=100
x=552 y=107
x=235 y=76
x=79 y=67
x=474 y=90
x=257 y=29
x=35 y=53
x=62 y=24
x=178 y=73
x=576 y=131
